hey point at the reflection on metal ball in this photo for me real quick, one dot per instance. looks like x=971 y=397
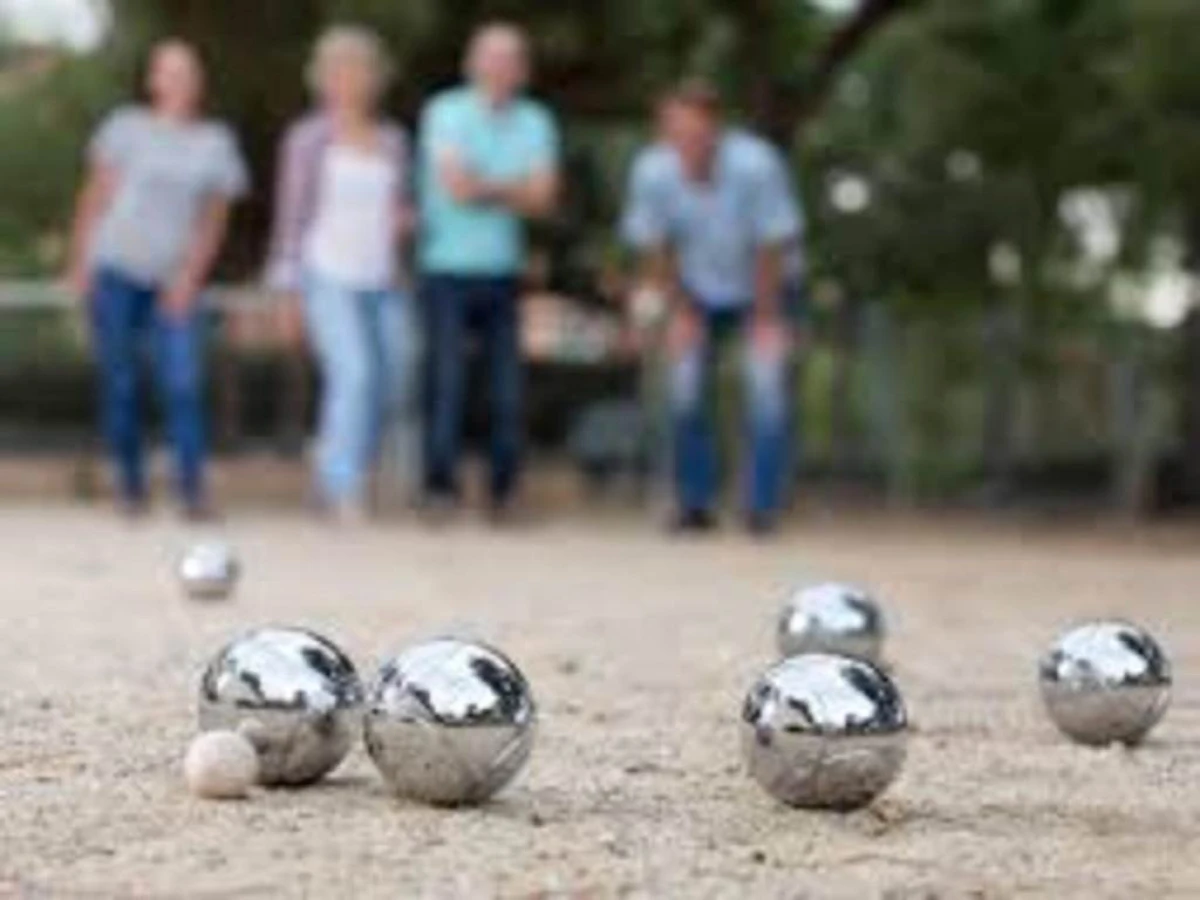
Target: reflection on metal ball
x=209 y=571
x=449 y=722
x=293 y=694
x=823 y=731
x=1106 y=683
x=831 y=618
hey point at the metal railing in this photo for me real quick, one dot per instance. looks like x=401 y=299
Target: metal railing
x=48 y=295
x=878 y=393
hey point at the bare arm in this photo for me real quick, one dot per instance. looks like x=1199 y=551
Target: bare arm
x=208 y=234
x=403 y=208
x=768 y=282
x=660 y=272
x=660 y=275
x=406 y=223
x=90 y=205
x=289 y=218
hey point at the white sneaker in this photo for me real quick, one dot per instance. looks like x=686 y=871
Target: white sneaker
x=348 y=513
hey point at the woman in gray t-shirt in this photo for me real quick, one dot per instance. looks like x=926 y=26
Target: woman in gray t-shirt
x=150 y=221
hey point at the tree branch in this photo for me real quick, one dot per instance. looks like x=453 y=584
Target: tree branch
x=840 y=49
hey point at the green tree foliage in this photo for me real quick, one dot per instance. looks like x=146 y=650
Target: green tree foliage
x=973 y=122
x=42 y=123
x=969 y=121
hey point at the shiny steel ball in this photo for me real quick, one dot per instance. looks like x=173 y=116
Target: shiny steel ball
x=293 y=694
x=831 y=618
x=449 y=722
x=209 y=571
x=1106 y=683
x=823 y=731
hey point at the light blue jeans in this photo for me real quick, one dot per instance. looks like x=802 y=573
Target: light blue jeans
x=366 y=348
x=770 y=426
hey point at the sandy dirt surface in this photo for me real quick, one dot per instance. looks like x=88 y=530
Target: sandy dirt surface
x=639 y=651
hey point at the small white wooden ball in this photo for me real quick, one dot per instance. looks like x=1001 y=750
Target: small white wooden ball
x=220 y=765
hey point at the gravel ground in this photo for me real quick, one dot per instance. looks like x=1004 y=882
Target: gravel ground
x=639 y=651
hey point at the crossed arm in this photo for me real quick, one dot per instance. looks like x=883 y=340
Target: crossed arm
x=533 y=196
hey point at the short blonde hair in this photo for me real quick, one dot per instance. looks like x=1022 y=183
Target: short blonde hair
x=353 y=42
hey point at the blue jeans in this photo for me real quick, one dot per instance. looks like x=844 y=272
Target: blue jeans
x=456 y=307
x=124 y=313
x=767 y=392
x=364 y=348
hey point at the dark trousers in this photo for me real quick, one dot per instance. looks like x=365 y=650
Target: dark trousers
x=124 y=315
x=458 y=308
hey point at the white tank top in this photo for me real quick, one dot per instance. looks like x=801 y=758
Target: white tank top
x=352 y=239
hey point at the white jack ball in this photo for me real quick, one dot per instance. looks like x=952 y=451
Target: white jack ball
x=209 y=571
x=220 y=765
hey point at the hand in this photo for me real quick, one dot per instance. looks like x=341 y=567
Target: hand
x=629 y=343
x=684 y=332
x=178 y=300
x=465 y=187
x=459 y=182
x=289 y=320
x=77 y=281
x=406 y=224
x=770 y=335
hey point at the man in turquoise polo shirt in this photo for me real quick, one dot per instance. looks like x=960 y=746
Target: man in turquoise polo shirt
x=488 y=161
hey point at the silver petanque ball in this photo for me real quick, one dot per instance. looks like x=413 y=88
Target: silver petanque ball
x=449 y=722
x=1105 y=683
x=831 y=618
x=293 y=694
x=823 y=731
x=209 y=571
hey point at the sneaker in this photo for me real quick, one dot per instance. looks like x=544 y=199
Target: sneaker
x=692 y=522
x=199 y=512
x=761 y=524
x=506 y=513
x=437 y=509
x=348 y=513
x=133 y=507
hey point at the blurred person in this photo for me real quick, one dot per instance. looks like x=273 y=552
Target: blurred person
x=342 y=218
x=149 y=223
x=489 y=160
x=712 y=210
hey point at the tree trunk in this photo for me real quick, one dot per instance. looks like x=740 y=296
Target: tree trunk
x=841 y=400
x=1002 y=374
x=841 y=48
x=1190 y=414
x=883 y=345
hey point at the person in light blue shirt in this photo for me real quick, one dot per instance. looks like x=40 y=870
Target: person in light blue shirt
x=714 y=214
x=488 y=161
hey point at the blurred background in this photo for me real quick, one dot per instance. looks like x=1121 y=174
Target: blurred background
x=1004 y=228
